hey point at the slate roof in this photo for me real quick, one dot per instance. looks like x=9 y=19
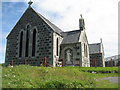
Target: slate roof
x=115 y=57
x=71 y=36
x=94 y=48
x=53 y=26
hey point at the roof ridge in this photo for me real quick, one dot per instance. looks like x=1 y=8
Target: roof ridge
x=94 y=43
x=70 y=31
x=53 y=26
x=71 y=37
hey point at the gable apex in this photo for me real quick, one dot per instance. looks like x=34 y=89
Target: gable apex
x=53 y=27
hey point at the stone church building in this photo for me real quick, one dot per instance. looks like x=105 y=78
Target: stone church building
x=96 y=53
x=35 y=37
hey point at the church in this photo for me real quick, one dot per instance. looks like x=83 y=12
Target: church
x=35 y=37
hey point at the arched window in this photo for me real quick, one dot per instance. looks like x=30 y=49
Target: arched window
x=21 y=44
x=84 y=50
x=34 y=42
x=57 y=47
x=27 y=42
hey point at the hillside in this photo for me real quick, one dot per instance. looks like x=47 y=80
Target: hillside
x=25 y=76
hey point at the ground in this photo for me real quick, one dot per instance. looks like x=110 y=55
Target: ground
x=25 y=76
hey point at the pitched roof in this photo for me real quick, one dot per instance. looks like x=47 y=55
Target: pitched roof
x=115 y=57
x=94 y=48
x=53 y=26
x=71 y=36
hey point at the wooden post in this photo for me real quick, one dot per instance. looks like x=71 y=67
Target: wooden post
x=12 y=63
x=44 y=62
x=62 y=62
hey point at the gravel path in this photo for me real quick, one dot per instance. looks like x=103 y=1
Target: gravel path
x=111 y=79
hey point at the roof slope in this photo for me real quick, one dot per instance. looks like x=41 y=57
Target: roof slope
x=71 y=36
x=115 y=57
x=94 y=48
x=30 y=9
x=53 y=26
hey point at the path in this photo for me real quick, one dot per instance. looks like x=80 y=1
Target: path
x=111 y=79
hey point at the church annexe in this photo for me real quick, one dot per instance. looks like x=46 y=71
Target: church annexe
x=35 y=37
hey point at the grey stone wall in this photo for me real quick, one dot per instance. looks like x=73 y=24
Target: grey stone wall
x=44 y=40
x=75 y=51
x=98 y=58
x=55 y=56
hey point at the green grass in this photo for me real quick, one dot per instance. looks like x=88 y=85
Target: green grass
x=99 y=68
x=25 y=76
x=105 y=84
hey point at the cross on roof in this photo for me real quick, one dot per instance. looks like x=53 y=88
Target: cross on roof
x=30 y=2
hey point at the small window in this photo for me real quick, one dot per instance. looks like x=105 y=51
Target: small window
x=84 y=50
x=78 y=53
x=57 y=47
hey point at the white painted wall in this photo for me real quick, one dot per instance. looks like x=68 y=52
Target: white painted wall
x=102 y=51
x=55 y=57
x=83 y=40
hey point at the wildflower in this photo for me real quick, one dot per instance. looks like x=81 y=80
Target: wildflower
x=13 y=75
x=5 y=75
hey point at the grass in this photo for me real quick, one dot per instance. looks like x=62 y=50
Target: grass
x=106 y=84
x=99 y=68
x=25 y=76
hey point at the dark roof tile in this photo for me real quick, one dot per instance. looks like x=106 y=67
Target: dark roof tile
x=70 y=36
x=94 y=48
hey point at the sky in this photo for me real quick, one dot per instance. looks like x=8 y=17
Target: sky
x=101 y=19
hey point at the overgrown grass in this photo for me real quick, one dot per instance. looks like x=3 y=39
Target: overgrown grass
x=106 y=84
x=25 y=76
x=99 y=68
x=40 y=77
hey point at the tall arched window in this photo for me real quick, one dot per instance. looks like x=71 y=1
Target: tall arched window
x=27 y=42
x=34 y=42
x=21 y=44
x=84 y=50
x=57 y=47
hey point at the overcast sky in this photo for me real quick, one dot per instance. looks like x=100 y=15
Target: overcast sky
x=101 y=19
